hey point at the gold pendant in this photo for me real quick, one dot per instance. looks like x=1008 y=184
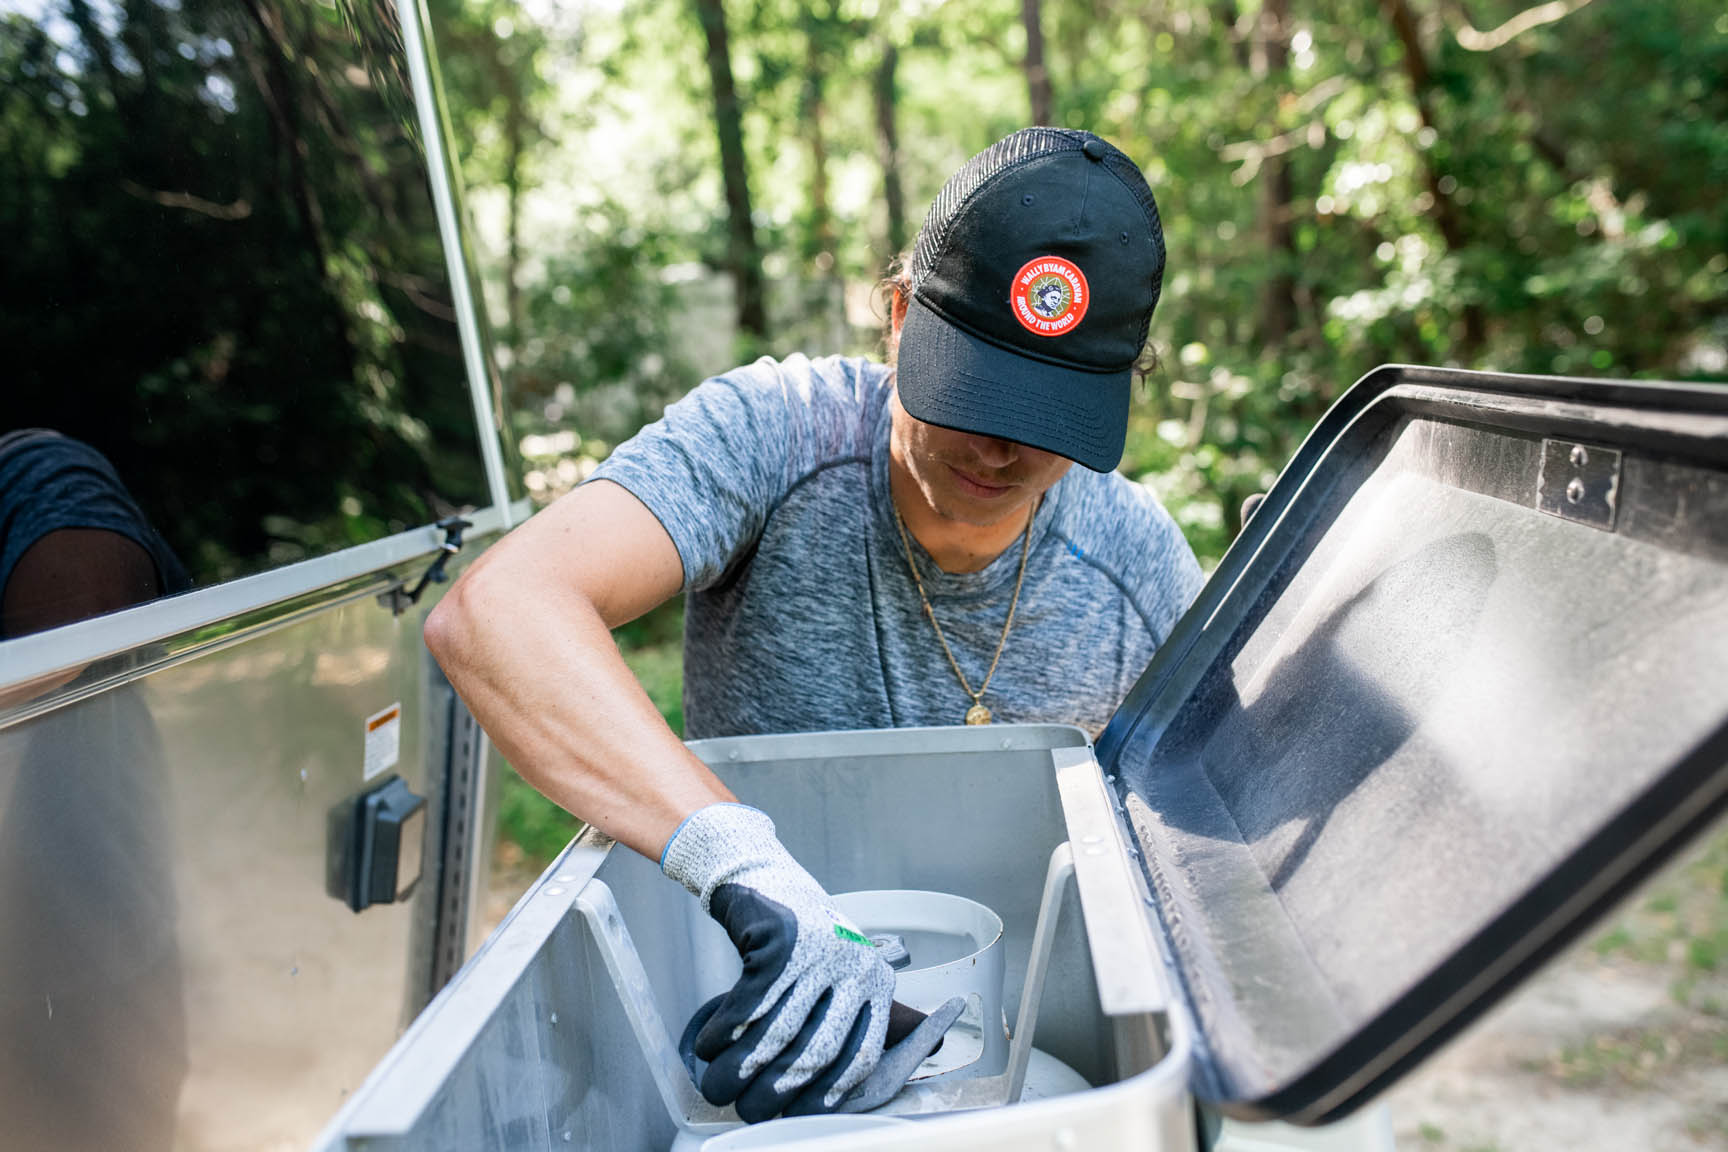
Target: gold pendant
x=977 y=714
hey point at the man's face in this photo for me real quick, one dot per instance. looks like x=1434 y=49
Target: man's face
x=970 y=479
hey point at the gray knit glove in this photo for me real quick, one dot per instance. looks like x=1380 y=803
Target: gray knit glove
x=805 y=1022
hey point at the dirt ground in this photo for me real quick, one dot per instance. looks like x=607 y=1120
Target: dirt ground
x=1592 y=1055
x=1618 y=1045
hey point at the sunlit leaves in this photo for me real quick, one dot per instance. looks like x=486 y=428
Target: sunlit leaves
x=1584 y=160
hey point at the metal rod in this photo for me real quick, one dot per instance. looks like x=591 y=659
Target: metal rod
x=1056 y=880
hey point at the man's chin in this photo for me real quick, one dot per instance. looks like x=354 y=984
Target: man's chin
x=979 y=513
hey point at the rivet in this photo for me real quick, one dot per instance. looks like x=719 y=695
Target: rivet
x=1574 y=491
x=553 y=1018
x=554 y=891
x=1092 y=838
x=1579 y=456
x=1124 y=239
x=1026 y=199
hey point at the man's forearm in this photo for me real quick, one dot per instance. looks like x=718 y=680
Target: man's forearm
x=531 y=654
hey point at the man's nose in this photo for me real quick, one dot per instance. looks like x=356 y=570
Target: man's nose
x=994 y=453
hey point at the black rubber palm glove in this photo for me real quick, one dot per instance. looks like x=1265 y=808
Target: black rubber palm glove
x=806 y=1021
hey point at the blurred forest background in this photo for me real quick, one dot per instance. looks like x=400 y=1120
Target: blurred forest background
x=667 y=187
x=664 y=188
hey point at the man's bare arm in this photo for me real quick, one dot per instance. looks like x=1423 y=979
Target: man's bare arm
x=525 y=637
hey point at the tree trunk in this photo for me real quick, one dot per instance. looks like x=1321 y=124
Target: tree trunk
x=85 y=21
x=1271 y=61
x=743 y=254
x=1037 y=79
x=1226 y=14
x=1446 y=215
x=515 y=118
x=888 y=148
x=819 y=241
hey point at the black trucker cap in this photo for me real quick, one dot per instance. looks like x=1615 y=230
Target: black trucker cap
x=1033 y=283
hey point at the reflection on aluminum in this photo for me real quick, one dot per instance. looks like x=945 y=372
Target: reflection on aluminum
x=684 y=1103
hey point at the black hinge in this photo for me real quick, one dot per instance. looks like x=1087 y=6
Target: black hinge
x=399 y=598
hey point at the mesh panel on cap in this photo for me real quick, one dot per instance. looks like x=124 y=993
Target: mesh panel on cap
x=1029 y=144
x=1126 y=171
x=1023 y=145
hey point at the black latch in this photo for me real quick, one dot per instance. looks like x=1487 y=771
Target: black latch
x=399 y=598
x=375 y=840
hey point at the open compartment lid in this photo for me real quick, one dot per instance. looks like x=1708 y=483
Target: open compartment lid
x=1461 y=682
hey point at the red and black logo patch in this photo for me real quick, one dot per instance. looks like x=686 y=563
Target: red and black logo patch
x=1049 y=296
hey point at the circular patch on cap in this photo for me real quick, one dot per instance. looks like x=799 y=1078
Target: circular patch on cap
x=1049 y=296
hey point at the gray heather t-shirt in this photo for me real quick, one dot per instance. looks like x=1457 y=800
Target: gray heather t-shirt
x=772 y=481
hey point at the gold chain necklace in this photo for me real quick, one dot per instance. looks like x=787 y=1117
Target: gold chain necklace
x=977 y=714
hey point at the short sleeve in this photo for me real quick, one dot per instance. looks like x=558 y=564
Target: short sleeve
x=50 y=482
x=1120 y=527
x=1161 y=570
x=714 y=467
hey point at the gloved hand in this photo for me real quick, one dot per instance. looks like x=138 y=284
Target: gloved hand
x=805 y=1022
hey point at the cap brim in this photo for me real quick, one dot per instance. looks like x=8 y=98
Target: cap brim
x=950 y=378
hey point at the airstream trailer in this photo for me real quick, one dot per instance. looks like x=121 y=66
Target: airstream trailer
x=247 y=427
x=1458 y=685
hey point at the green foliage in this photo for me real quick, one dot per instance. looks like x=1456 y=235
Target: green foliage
x=653 y=647
x=1635 y=1057
x=535 y=825
x=1549 y=205
x=602 y=316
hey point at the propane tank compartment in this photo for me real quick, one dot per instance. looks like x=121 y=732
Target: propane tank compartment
x=559 y=1034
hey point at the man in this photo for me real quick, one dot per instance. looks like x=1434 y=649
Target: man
x=87 y=908
x=73 y=541
x=862 y=547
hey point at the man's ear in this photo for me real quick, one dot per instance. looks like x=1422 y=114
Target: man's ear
x=897 y=302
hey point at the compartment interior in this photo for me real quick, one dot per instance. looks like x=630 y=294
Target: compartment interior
x=556 y=1063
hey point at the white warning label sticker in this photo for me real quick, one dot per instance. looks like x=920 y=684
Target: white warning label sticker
x=383 y=740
